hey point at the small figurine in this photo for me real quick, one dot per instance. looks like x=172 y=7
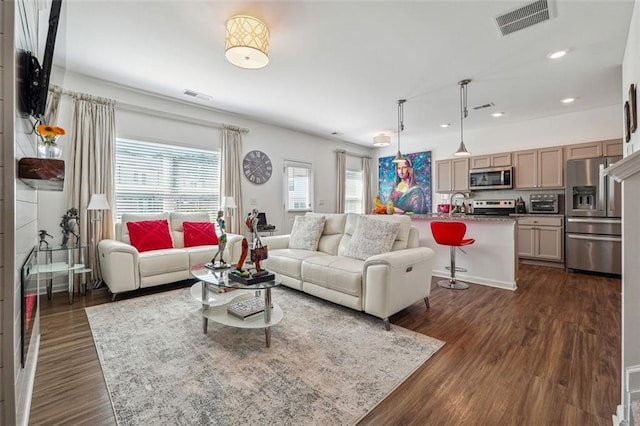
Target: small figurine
x=222 y=243
x=43 y=241
x=258 y=251
x=390 y=208
x=70 y=224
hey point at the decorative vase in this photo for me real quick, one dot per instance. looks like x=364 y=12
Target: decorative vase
x=49 y=150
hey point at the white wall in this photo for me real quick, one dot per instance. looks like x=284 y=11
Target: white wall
x=278 y=143
x=6 y=309
x=631 y=226
x=19 y=226
x=283 y=144
x=631 y=74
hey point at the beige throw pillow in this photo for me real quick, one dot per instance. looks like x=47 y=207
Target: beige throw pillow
x=371 y=237
x=306 y=232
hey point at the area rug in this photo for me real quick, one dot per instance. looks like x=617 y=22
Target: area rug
x=327 y=365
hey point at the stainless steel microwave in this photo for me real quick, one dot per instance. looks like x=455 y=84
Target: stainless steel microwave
x=491 y=178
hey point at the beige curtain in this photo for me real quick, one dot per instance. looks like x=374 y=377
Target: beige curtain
x=341 y=157
x=367 y=200
x=91 y=166
x=53 y=105
x=232 y=175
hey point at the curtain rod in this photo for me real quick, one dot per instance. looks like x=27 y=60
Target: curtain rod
x=81 y=96
x=353 y=154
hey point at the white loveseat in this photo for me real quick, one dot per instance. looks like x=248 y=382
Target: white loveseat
x=379 y=285
x=124 y=268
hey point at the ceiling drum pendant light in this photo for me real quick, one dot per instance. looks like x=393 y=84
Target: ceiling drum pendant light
x=247 y=42
x=462 y=150
x=399 y=158
x=381 y=140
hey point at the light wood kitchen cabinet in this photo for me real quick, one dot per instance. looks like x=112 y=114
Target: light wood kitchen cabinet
x=608 y=148
x=541 y=238
x=612 y=148
x=493 y=160
x=584 y=150
x=539 y=168
x=452 y=175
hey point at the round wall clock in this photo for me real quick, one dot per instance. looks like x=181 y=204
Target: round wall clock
x=257 y=167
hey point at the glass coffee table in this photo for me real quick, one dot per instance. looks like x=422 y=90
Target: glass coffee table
x=215 y=291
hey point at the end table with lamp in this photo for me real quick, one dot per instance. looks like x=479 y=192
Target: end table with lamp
x=97 y=204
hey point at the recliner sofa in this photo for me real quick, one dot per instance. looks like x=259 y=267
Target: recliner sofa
x=379 y=285
x=124 y=268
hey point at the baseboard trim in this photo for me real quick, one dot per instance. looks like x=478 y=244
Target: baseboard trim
x=506 y=285
x=549 y=264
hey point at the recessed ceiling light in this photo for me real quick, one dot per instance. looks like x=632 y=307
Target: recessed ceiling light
x=568 y=100
x=557 y=55
x=443 y=125
x=498 y=114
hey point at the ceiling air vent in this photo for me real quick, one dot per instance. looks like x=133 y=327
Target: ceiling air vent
x=523 y=17
x=198 y=95
x=489 y=105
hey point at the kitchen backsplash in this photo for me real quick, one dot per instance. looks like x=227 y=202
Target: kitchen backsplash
x=502 y=194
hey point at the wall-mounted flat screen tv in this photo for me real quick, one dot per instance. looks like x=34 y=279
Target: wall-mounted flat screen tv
x=35 y=74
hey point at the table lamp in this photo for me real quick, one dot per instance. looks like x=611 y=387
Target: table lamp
x=228 y=203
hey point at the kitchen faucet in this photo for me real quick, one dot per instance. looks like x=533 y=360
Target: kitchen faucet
x=455 y=208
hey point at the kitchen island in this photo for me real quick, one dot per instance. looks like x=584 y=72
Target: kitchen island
x=492 y=260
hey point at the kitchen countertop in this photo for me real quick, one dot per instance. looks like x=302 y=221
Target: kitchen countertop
x=536 y=215
x=470 y=217
x=482 y=217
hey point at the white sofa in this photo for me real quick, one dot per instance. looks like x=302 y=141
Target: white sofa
x=125 y=269
x=380 y=285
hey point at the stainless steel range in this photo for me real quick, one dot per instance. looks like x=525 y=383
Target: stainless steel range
x=494 y=207
x=593 y=212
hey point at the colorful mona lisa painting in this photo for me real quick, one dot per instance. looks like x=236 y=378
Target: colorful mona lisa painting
x=408 y=184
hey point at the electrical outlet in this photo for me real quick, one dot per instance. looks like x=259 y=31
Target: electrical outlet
x=254 y=202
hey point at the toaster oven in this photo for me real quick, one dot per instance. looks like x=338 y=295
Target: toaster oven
x=543 y=203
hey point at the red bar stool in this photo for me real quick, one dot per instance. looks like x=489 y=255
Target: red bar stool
x=451 y=234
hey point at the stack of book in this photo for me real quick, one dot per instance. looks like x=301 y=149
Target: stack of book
x=246 y=308
x=219 y=290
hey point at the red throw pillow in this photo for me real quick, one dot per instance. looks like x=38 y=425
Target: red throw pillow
x=148 y=235
x=199 y=234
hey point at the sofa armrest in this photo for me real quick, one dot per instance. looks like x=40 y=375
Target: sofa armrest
x=276 y=242
x=119 y=265
x=396 y=280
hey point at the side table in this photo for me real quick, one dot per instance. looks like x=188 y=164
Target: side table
x=51 y=269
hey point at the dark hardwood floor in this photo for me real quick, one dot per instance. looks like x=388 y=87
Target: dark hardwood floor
x=546 y=354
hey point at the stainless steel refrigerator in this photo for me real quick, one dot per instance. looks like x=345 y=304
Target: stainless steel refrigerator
x=593 y=217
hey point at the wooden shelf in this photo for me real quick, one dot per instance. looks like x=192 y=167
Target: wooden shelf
x=42 y=173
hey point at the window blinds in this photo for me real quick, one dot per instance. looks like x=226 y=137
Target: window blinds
x=153 y=178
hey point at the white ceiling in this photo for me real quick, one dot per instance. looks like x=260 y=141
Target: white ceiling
x=340 y=66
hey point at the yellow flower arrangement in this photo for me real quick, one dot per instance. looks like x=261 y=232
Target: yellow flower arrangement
x=49 y=134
